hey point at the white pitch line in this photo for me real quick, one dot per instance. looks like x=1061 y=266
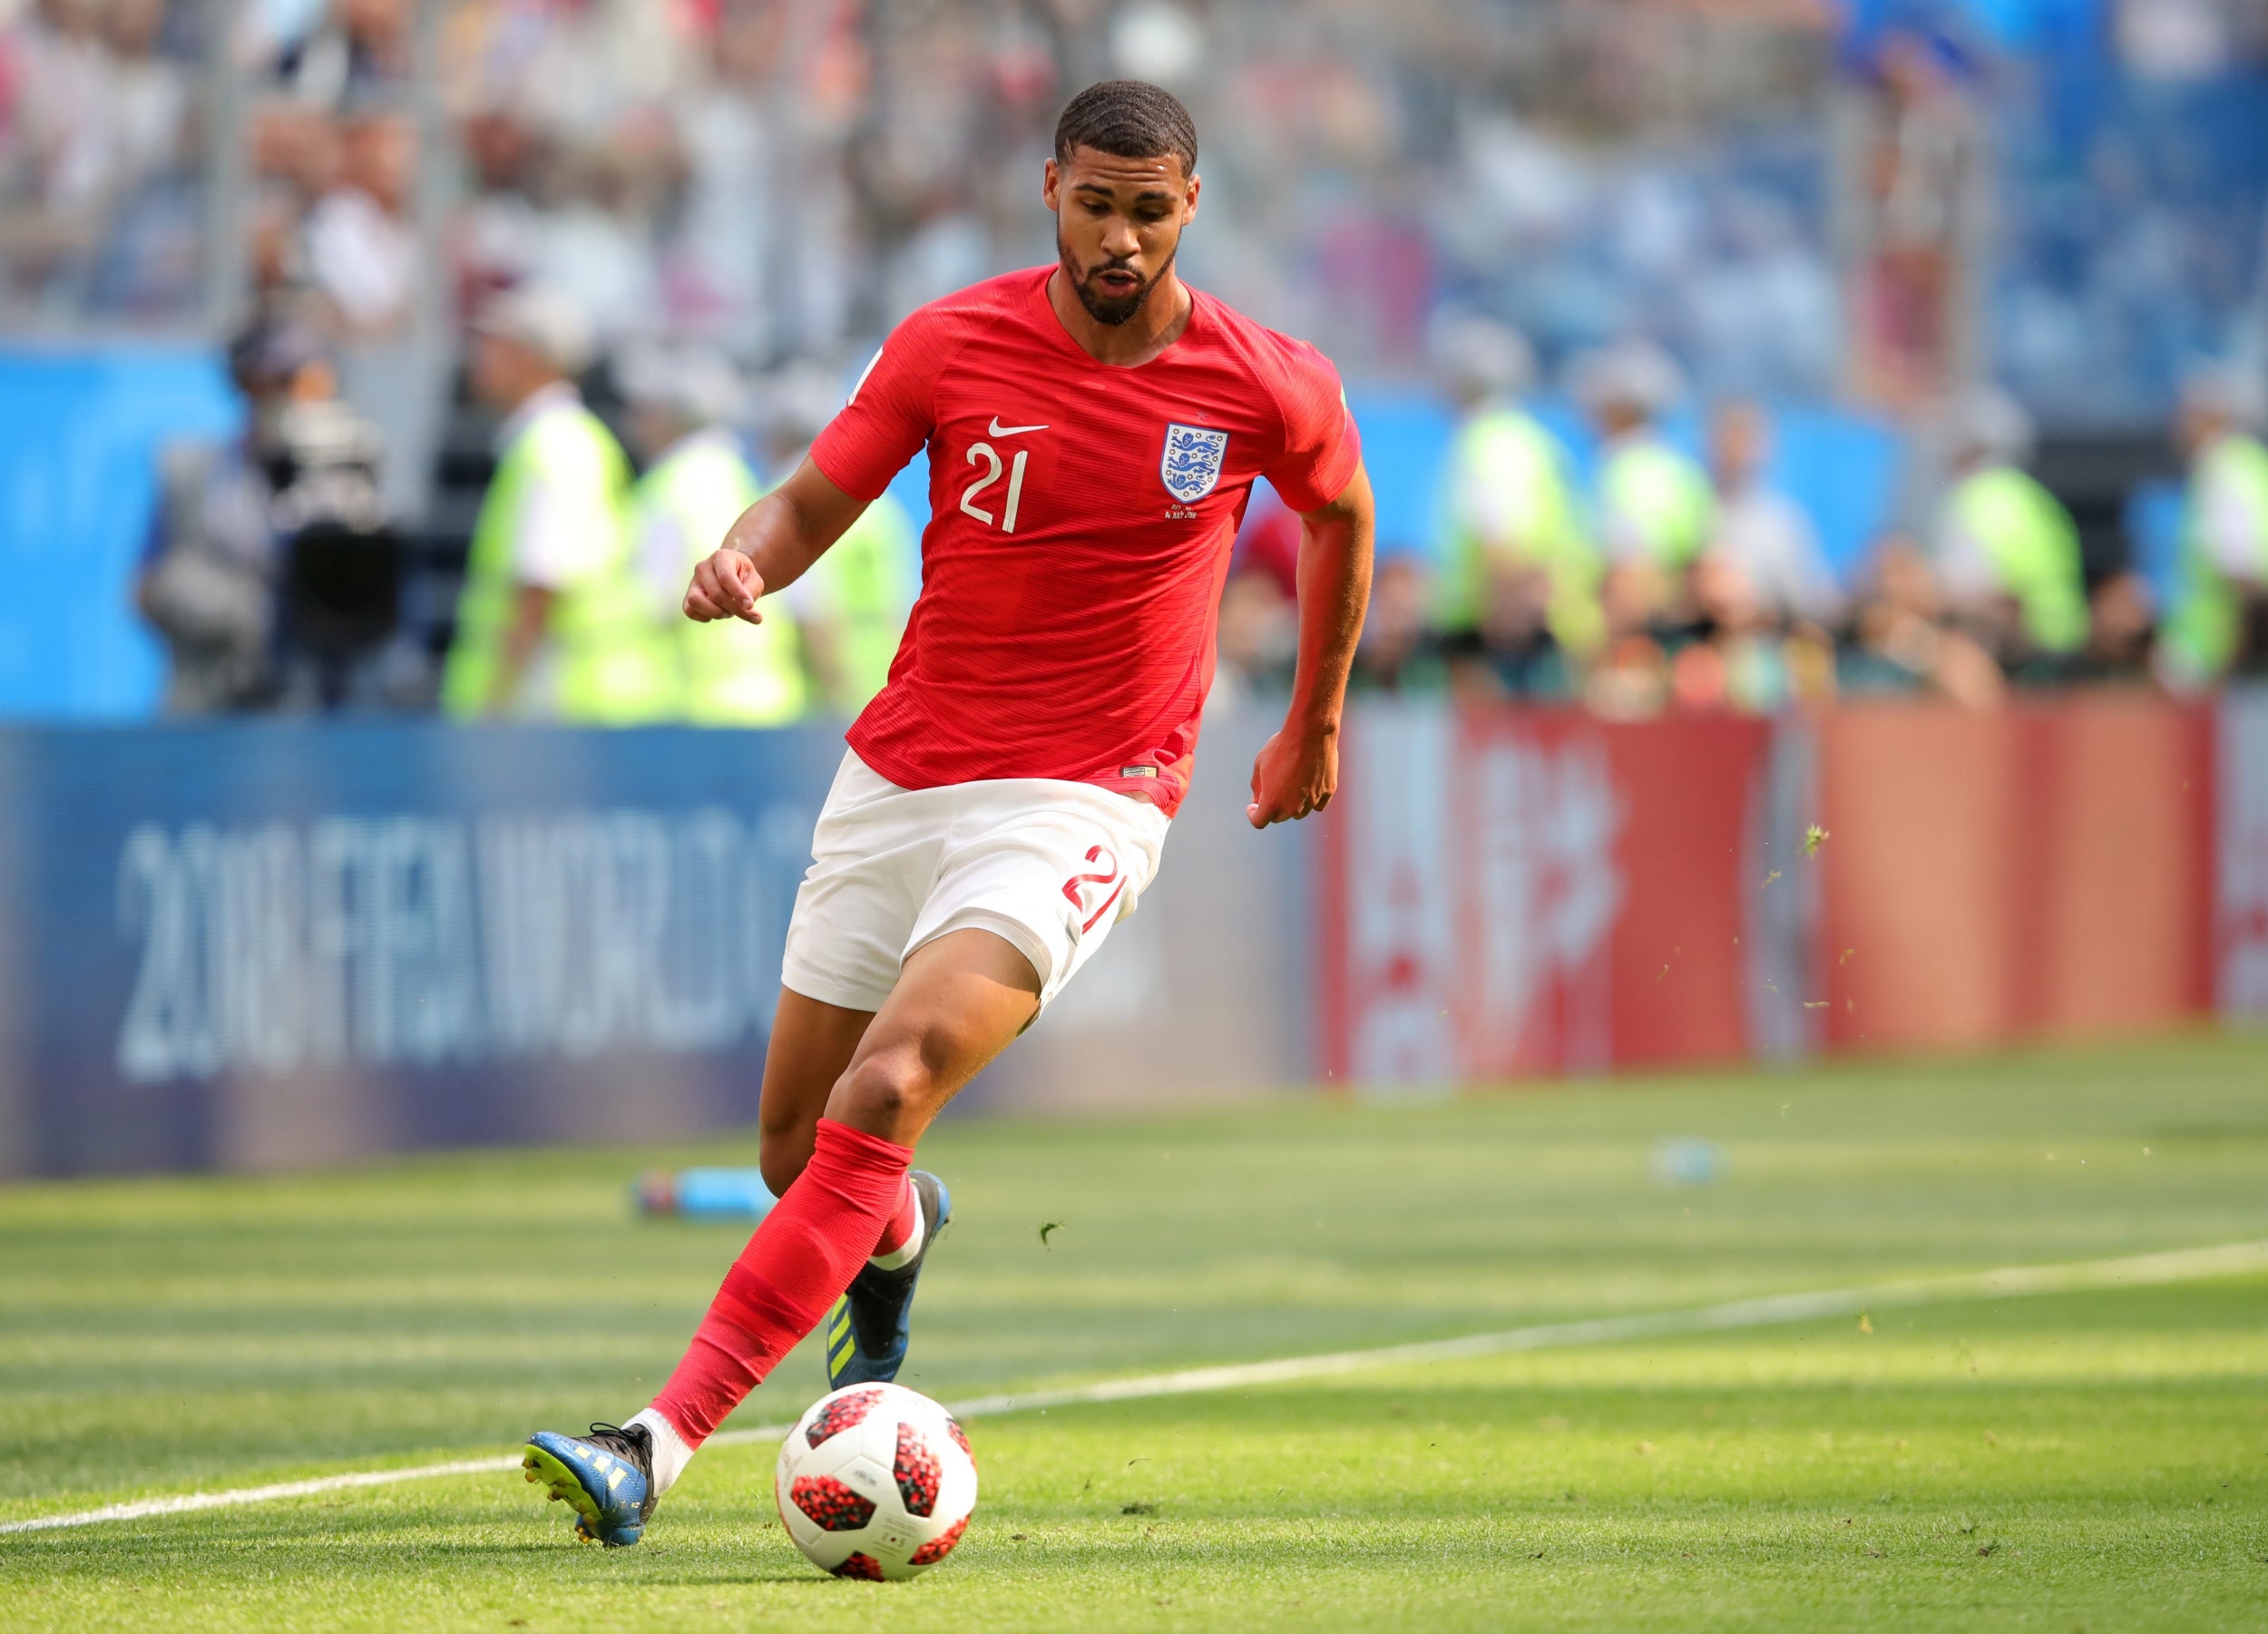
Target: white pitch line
x=260 y=1494
x=2134 y=1271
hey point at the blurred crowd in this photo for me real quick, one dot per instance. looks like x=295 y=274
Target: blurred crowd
x=787 y=179
x=1656 y=581
x=276 y=580
x=1793 y=196
x=1739 y=203
x=101 y=151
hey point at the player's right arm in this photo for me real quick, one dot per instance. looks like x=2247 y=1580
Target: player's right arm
x=779 y=537
x=772 y=546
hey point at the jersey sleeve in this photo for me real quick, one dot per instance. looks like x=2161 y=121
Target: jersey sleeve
x=888 y=418
x=1321 y=445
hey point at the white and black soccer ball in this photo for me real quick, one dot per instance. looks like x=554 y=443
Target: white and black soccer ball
x=876 y=1482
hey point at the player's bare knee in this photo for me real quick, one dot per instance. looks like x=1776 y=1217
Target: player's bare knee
x=882 y=1091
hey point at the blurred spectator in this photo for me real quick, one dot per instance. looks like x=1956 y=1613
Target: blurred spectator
x=1259 y=612
x=1399 y=651
x=1654 y=505
x=852 y=606
x=2121 y=630
x=1762 y=534
x=1259 y=636
x=1521 y=585
x=360 y=247
x=721 y=265
x=555 y=621
x=97 y=211
x=336 y=56
x=1920 y=165
x=1739 y=664
x=495 y=231
x=147 y=264
x=1902 y=640
x=295 y=160
x=1630 y=680
x=2007 y=551
x=212 y=571
x=2219 y=618
x=697 y=484
x=145 y=91
x=593 y=242
x=1267 y=544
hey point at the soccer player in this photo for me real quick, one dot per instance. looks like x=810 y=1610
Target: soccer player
x=1094 y=429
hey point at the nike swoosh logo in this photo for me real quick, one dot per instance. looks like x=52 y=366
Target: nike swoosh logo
x=1000 y=430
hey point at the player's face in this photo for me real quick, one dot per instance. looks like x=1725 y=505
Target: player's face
x=1118 y=223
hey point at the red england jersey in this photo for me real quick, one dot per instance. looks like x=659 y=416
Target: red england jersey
x=1080 y=522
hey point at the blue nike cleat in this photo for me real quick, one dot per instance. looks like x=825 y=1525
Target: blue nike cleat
x=606 y=1477
x=868 y=1328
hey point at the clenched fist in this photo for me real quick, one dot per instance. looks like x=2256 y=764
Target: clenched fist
x=724 y=586
x=1295 y=774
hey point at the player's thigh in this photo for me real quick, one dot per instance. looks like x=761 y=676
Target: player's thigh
x=959 y=1000
x=811 y=1047
x=1049 y=867
x=874 y=853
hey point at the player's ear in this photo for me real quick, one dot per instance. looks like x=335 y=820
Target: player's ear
x=1051 y=185
x=1189 y=199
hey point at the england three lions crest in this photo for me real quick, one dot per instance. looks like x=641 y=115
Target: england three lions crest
x=1191 y=465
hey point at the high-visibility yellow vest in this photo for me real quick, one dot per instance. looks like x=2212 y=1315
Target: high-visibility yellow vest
x=731 y=673
x=2201 y=626
x=1520 y=467
x=609 y=666
x=2034 y=548
x=863 y=586
x=1660 y=497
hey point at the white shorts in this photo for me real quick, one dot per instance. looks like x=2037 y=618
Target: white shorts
x=1048 y=866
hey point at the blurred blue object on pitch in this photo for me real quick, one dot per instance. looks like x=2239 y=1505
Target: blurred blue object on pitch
x=704 y=1194
x=1687 y=1161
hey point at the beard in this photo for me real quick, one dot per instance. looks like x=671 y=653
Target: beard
x=1110 y=309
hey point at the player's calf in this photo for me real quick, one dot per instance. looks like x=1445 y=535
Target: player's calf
x=866 y=1334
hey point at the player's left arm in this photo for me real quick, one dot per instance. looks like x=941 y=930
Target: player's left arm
x=1298 y=769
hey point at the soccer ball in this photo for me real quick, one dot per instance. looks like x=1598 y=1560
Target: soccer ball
x=876 y=1482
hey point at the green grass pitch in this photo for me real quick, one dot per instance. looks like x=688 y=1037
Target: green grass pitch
x=2090 y=1462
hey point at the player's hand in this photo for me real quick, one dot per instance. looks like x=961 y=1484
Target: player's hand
x=1296 y=774
x=724 y=586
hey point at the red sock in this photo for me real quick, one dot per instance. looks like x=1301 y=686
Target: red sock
x=802 y=1257
x=902 y=1223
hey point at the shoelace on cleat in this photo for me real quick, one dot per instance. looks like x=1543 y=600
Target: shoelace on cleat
x=631 y=1447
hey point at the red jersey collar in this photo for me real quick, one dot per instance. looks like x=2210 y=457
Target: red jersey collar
x=1063 y=336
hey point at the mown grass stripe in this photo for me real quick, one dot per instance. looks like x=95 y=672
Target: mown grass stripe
x=2133 y=1270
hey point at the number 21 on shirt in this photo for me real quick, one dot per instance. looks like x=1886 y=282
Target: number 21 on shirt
x=985 y=453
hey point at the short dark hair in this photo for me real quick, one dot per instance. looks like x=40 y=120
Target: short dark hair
x=1131 y=118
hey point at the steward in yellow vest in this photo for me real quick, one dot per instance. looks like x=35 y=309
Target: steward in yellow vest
x=1512 y=523
x=2002 y=538
x=554 y=623
x=697 y=484
x=731 y=673
x=1655 y=505
x=2219 y=617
